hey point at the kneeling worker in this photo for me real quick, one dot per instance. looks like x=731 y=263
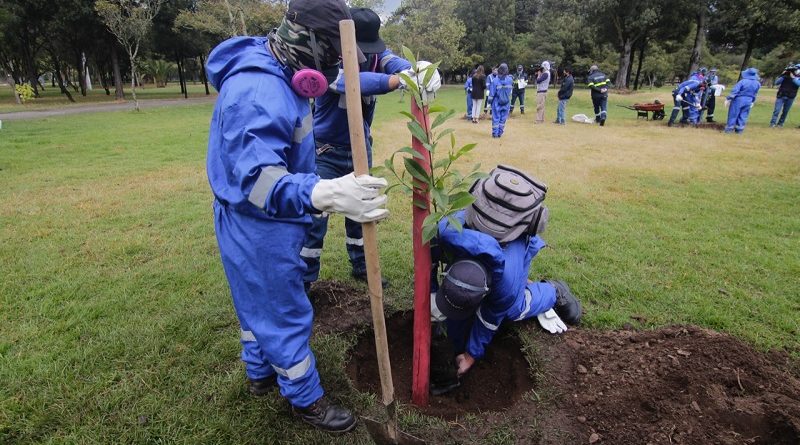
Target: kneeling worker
x=486 y=282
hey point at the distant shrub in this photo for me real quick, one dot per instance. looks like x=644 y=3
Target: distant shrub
x=25 y=92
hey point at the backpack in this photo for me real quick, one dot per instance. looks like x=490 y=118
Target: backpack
x=507 y=205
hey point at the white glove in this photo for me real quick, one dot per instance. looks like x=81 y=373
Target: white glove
x=752 y=105
x=429 y=91
x=698 y=106
x=551 y=322
x=436 y=314
x=727 y=103
x=679 y=98
x=358 y=198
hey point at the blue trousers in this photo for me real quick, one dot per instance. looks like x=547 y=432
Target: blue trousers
x=738 y=114
x=334 y=162
x=781 y=103
x=262 y=262
x=499 y=118
x=600 y=107
x=518 y=93
x=561 y=111
x=469 y=105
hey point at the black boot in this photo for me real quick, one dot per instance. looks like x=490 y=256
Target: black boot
x=567 y=306
x=327 y=417
x=260 y=387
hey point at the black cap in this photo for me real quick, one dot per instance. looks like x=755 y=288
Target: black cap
x=368 y=26
x=463 y=287
x=323 y=17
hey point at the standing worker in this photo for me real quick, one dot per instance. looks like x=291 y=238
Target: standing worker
x=520 y=81
x=331 y=133
x=741 y=100
x=787 y=82
x=487 y=104
x=598 y=84
x=468 y=90
x=712 y=83
x=500 y=94
x=261 y=170
x=478 y=93
x=542 y=84
x=686 y=99
x=564 y=94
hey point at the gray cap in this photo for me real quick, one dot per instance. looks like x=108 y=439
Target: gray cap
x=465 y=284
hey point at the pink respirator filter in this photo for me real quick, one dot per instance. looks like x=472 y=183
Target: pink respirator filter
x=309 y=83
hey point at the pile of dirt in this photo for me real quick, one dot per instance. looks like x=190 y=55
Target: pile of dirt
x=675 y=385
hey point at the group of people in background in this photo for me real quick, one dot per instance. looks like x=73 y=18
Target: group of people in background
x=497 y=93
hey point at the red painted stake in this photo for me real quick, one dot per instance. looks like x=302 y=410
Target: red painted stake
x=422 y=274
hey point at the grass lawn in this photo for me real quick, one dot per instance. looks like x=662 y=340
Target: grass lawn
x=115 y=321
x=52 y=97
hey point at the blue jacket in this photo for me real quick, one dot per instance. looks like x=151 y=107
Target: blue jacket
x=261 y=153
x=748 y=86
x=330 y=110
x=509 y=265
x=689 y=87
x=468 y=85
x=598 y=83
x=500 y=90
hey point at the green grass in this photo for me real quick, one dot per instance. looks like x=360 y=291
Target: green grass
x=52 y=97
x=115 y=320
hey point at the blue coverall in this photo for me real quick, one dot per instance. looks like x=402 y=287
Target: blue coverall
x=511 y=296
x=334 y=155
x=598 y=84
x=468 y=89
x=260 y=167
x=690 y=92
x=500 y=96
x=742 y=97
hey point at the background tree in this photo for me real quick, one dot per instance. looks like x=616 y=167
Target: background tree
x=129 y=21
x=489 y=28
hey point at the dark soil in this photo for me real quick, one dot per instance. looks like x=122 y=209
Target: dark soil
x=675 y=385
x=338 y=307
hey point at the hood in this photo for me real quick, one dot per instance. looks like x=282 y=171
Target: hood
x=546 y=65
x=239 y=54
x=750 y=73
x=503 y=69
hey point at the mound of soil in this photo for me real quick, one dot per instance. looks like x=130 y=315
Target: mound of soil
x=675 y=385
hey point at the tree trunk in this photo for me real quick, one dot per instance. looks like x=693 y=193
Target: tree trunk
x=133 y=83
x=101 y=73
x=30 y=64
x=630 y=67
x=751 y=41
x=203 y=73
x=14 y=88
x=699 y=38
x=624 y=64
x=60 y=79
x=641 y=59
x=82 y=75
x=118 y=91
x=181 y=79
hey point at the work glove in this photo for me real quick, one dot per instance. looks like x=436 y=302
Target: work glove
x=752 y=105
x=679 y=98
x=551 y=322
x=698 y=106
x=356 y=197
x=727 y=103
x=433 y=85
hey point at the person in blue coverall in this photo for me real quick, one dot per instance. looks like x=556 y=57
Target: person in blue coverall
x=334 y=156
x=687 y=101
x=599 y=84
x=788 y=83
x=261 y=170
x=500 y=97
x=468 y=90
x=712 y=80
x=487 y=284
x=741 y=100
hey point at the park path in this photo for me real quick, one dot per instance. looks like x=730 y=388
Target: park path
x=94 y=108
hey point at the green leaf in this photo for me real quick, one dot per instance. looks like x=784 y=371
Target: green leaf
x=444 y=133
x=465 y=149
x=411 y=84
x=393 y=186
x=439 y=197
x=408 y=115
x=416 y=170
x=421 y=204
x=430 y=70
x=452 y=140
x=442 y=118
x=441 y=163
x=409 y=55
x=413 y=152
x=429 y=233
x=436 y=108
x=461 y=199
x=455 y=223
x=417 y=131
x=377 y=170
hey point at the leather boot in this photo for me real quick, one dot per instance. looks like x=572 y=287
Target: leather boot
x=327 y=417
x=260 y=387
x=567 y=306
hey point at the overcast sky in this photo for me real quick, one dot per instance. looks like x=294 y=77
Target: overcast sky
x=390 y=5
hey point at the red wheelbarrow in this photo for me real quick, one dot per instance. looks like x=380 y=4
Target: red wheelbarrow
x=644 y=110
